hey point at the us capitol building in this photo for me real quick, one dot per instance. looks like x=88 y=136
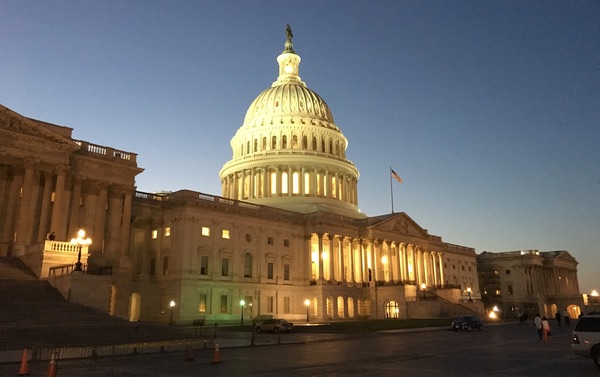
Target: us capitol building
x=285 y=238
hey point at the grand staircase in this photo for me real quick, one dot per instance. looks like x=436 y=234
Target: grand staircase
x=33 y=314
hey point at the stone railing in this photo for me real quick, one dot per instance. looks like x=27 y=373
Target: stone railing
x=64 y=247
x=107 y=152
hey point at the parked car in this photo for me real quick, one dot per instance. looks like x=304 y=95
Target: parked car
x=275 y=325
x=586 y=338
x=467 y=322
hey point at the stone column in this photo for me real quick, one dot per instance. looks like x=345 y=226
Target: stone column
x=74 y=223
x=25 y=211
x=99 y=227
x=443 y=283
x=46 y=206
x=58 y=222
x=320 y=251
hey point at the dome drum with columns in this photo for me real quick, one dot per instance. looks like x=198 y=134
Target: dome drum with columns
x=289 y=153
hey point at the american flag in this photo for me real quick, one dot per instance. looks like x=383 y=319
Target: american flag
x=396 y=176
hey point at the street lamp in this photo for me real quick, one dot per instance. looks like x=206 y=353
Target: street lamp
x=307 y=304
x=242 y=304
x=423 y=286
x=171 y=305
x=469 y=292
x=80 y=241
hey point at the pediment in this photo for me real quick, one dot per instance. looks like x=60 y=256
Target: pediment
x=400 y=223
x=13 y=122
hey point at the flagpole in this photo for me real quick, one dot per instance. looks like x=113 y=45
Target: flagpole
x=391 y=188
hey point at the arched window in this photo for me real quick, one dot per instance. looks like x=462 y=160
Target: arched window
x=274 y=142
x=330 y=147
x=314 y=143
x=264 y=144
x=295 y=141
x=304 y=142
x=283 y=142
x=247 y=265
x=255 y=145
x=323 y=145
x=248 y=147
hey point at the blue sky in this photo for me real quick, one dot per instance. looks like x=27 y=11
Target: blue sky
x=489 y=110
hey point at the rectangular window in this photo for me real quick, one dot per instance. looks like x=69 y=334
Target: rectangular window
x=154 y=234
x=270 y=304
x=205 y=231
x=202 y=303
x=225 y=267
x=508 y=272
x=286 y=272
x=152 y=271
x=286 y=243
x=247 y=265
x=510 y=289
x=223 y=307
x=225 y=234
x=270 y=270
x=286 y=305
x=270 y=240
x=165 y=266
x=167 y=231
x=204 y=265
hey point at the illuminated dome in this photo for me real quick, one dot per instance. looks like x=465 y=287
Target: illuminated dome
x=288 y=153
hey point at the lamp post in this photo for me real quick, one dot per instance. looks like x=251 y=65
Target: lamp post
x=80 y=241
x=171 y=305
x=423 y=286
x=469 y=292
x=242 y=304
x=307 y=304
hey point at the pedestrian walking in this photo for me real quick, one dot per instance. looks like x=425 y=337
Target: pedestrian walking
x=557 y=316
x=538 y=325
x=567 y=318
x=546 y=330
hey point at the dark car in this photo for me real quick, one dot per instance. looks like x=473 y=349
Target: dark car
x=275 y=325
x=467 y=322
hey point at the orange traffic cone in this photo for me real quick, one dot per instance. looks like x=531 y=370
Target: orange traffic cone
x=216 y=355
x=24 y=370
x=188 y=354
x=52 y=366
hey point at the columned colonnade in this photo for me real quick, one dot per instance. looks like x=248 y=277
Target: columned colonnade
x=338 y=258
x=288 y=180
x=39 y=199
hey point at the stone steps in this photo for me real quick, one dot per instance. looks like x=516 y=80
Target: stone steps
x=35 y=315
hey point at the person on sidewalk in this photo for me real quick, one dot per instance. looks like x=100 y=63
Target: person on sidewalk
x=567 y=318
x=557 y=316
x=546 y=328
x=538 y=325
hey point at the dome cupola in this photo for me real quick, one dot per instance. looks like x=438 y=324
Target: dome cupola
x=288 y=153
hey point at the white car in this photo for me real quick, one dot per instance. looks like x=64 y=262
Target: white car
x=586 y=338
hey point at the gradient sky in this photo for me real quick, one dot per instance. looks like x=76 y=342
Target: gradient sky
x=489 y=110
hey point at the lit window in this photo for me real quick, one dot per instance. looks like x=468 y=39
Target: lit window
x=201 y=303
x=306 y=183
x=225 y=234
x=205 y=231
x=167 y=231
x=284 y=183
x=295 y=183
x=154 y=234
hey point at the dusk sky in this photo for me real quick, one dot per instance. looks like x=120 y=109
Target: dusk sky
x=488 y=110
